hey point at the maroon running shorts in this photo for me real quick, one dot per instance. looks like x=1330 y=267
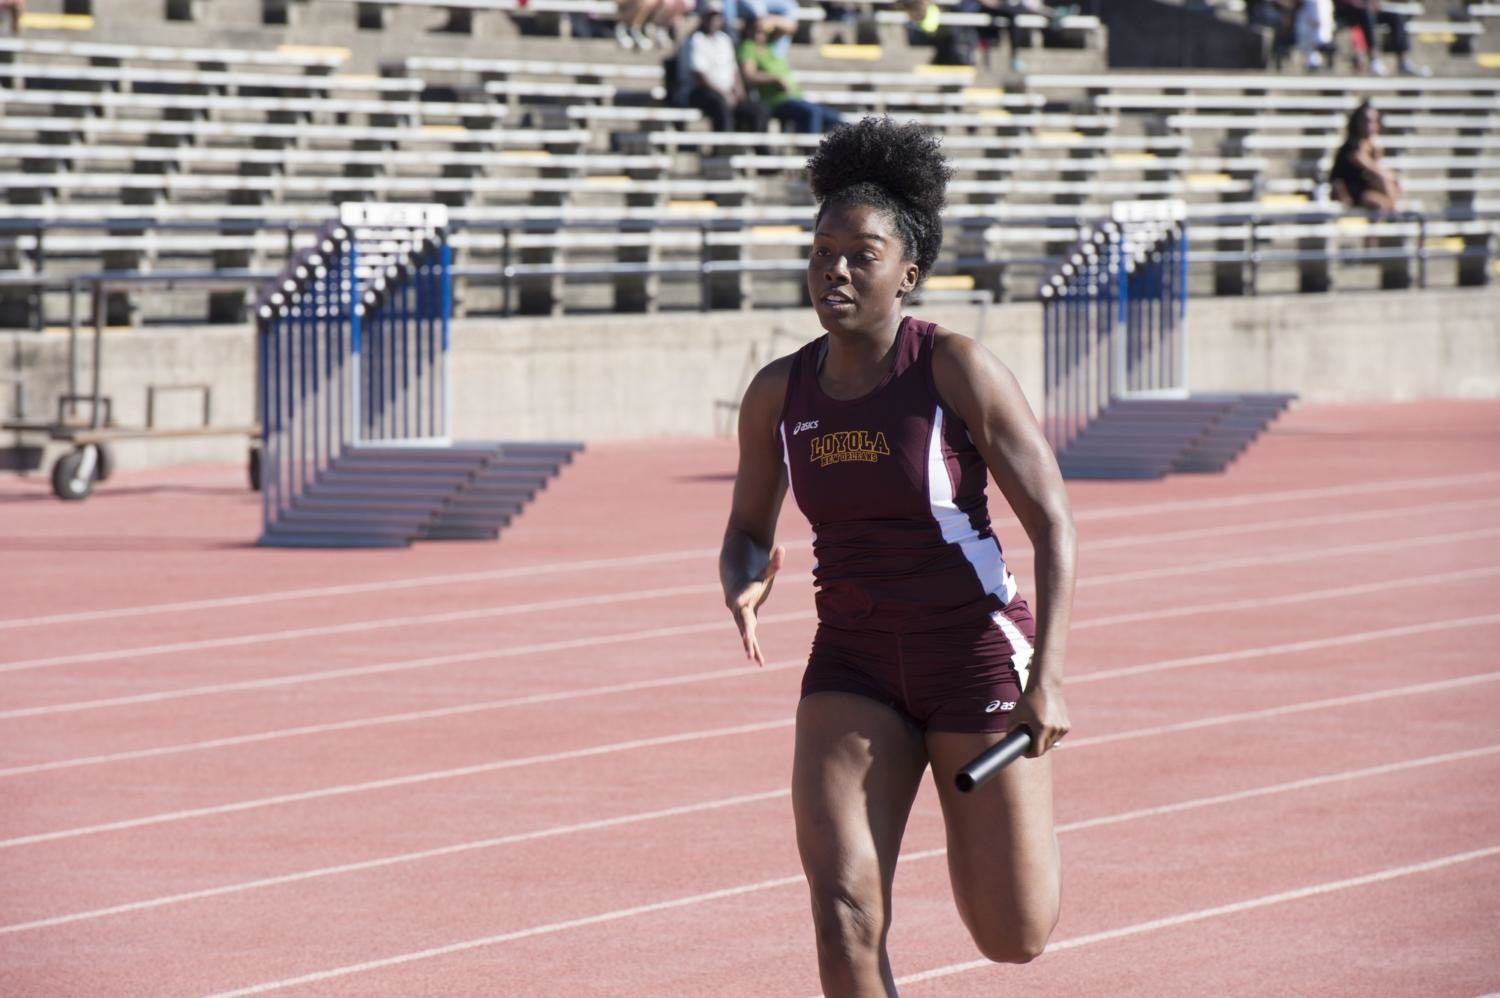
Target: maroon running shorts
x=961 y=678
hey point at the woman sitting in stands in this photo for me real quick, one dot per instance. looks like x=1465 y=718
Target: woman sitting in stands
x=770 y=77
x=1358 y=178
x=712 y=77
x=1367 y=16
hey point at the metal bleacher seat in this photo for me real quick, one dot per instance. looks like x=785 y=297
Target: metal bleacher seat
x=570 y=171
x=550 y=16
x=350 y=136
x=126 y=78
x=321 y=59
x=224 y=106
x=294 y=161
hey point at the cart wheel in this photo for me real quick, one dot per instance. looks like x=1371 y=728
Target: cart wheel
x=105 y=465
x=253 y=467
x=73 y=474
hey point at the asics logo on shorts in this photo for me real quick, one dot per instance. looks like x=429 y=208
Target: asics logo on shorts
x=1000 y=705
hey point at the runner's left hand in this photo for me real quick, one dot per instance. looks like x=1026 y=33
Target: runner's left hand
x=1042 y=710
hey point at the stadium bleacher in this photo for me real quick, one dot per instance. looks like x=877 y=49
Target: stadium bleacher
x=132 y=138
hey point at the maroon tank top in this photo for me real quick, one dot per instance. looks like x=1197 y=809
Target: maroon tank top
x=895 y=491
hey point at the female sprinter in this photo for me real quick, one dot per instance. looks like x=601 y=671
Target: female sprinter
x=885 y=428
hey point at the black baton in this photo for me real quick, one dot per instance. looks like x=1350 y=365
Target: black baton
x=993 y=759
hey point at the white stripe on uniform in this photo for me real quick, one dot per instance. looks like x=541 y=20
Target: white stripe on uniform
x=982 y=553
x=1020 y=647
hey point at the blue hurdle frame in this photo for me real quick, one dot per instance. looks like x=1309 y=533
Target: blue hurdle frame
x=1114 y=317
x=353 y=344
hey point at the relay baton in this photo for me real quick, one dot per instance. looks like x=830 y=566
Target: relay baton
x=993 y=759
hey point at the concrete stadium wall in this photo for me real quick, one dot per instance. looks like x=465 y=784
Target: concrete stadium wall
x=1376 y=346
x=622 y=377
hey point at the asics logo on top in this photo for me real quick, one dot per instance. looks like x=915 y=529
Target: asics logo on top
x=812 y=425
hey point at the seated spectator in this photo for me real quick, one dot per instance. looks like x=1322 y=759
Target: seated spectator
x=835 y=12
x=1366 y=15
x=1314 y=32
x=1358 y=178
x=780 y=17
x=1010 y=10
x=924 y=27
x=713 y=81
x=783 y=12
x=770 y=77
x=10 y=17
x=645 y=24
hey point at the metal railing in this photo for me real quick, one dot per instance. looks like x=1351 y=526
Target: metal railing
x=1413 y=254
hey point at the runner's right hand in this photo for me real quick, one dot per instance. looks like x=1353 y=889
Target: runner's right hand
x=744 y=604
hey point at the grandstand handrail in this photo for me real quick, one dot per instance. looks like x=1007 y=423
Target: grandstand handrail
x=988 y=142
x=538 y=67
x=601 y=7
x=508 y=274
x=542 y=218
x=1333 y=123
x=1262 y=140
x=1121 y=80
x=1262 y=102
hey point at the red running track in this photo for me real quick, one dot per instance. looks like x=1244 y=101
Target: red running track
x=540 y=766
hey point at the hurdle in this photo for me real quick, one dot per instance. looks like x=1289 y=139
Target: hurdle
x=1115 y=356
x=355 y=395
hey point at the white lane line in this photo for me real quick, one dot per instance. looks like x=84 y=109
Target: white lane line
x=405 y=717
x=1305 y=783
x=1285 y=599
x=371 y=624
x=360 y=588
x=1171 y=571
x=1288 y=648
x=1285 y=557
x=556 y=567
x=468 y=657
x=412 y=779
x=1286 y=495
x=1424 y=510
x=538 y=930
x=491 y=843
x=1389 y=873
x=399 y=858
x=1218 y=911
x=1284 y=710
x=698 y=677
x=400 y=665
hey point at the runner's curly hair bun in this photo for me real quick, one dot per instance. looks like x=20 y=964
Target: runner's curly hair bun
x=898 y=169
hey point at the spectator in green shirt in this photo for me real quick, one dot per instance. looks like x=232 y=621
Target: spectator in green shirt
x=770 y=77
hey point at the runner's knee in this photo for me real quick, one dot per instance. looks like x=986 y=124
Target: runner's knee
x=1011 y=946
x=850 y=924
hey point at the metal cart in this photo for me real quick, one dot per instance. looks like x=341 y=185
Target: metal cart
x=92 y=430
